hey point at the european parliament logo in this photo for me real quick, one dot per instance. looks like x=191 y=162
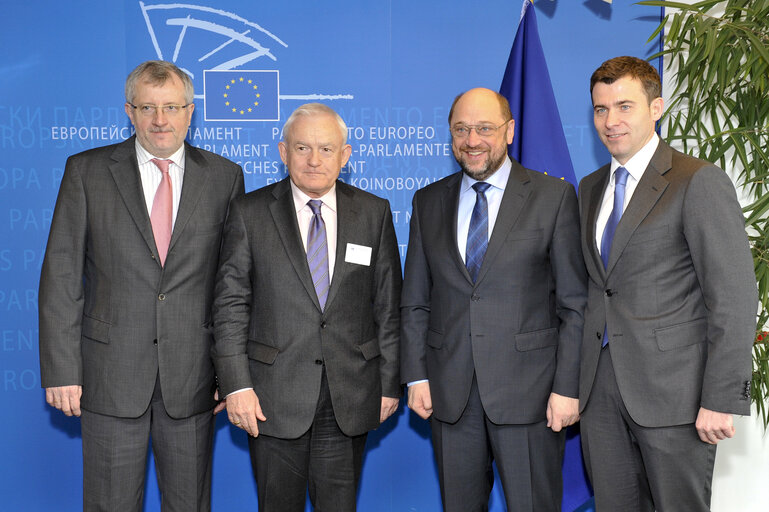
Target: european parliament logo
x=214 y=44
x=242 y=95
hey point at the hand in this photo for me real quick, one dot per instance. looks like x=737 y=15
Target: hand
x=420 y=400
x=562 y=411
x=65 y=398
x=714 y=426
x=389 y=406
x=219 y=405
x=243 y=410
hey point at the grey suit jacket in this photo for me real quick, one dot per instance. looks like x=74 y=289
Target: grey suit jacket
x=111 y=317
x=270 y=331
x=679 y=296
x=519 y=327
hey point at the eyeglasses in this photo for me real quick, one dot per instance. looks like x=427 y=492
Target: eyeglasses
x=151 y=110
x=462 y=131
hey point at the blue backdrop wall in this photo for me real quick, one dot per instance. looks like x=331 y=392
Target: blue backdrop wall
x=391 y=68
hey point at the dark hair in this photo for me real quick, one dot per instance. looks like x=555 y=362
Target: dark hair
x=633 y=67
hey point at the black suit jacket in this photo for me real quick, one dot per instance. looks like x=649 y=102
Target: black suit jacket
x=111 y=318
x=519 y=327
x=270 y=331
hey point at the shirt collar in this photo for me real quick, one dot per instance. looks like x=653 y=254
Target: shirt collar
x=638 y=163
x=144 y=156
x=496 y=180
x=301 y=199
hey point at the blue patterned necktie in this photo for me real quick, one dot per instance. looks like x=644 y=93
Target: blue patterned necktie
x=317 y=252
x=478 y=234
x=620 y=180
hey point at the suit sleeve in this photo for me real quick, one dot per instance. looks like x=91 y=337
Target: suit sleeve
x=568 y=269
x=715 y=233
x=388 y=283
x=415 y=304
x=61 y=295
x=232 y=305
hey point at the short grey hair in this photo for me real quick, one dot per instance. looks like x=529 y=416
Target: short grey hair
x=314 y=109
x=157 y=72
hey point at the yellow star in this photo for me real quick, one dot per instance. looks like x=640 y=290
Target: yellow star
x=258 y=95
x=240 y=79
x=241 y=112
x=256 y=103
x=249 y=109
x=256 y=87
x=227 y=103
x=225 y=94
x=232 y=81
x=234 y=110
x=226 y=86
x=250 y=81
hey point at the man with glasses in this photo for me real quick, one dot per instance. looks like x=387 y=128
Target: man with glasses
x=491 y=314
x=125 y=299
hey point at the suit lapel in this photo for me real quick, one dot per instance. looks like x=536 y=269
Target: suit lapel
x=125 y=172
x=346 y=216
x=594 y=198
x=195 y=179
x=449 y=210
x=646 y=195
x=284 y=216
x=516 y=194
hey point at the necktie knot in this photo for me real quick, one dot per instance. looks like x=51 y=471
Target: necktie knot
x=161 y=164
x=620 y=177
x=481 y=187
x=314 y=205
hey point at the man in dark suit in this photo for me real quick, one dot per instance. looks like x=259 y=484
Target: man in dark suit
x=306 y=320
x=491 y=311
x=671 y=313
x=125 y=299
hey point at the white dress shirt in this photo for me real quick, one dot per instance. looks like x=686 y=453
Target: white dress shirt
x=151 y=175
x=636 y=167
x=327 y=211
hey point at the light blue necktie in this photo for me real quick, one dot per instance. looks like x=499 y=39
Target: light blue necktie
x=317 y=252
x=478 y=234
x=620 y=180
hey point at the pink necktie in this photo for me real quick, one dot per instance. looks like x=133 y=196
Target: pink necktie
x=162 y=211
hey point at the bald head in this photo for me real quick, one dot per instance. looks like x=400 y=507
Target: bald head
x=485 y=96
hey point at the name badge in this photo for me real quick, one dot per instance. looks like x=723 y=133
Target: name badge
x=358 y=254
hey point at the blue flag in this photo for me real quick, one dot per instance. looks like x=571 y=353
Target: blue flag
x=241 y=95
x=539 y=142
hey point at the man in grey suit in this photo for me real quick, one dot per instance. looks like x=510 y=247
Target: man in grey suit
x=491 y=337
x=671 y=313
x=306 y=320
x=125 y=299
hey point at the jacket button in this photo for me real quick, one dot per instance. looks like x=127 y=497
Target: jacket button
x=609 y=292
x=155 y=341
x=318 y=361
x=475 y=298
x=162 y=296
x=323 y=325
x=598 y=335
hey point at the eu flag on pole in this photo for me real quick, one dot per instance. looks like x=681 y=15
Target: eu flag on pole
x=241 y=95
x=539 y=142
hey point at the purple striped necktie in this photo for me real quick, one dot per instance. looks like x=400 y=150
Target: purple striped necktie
x=317 y=252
